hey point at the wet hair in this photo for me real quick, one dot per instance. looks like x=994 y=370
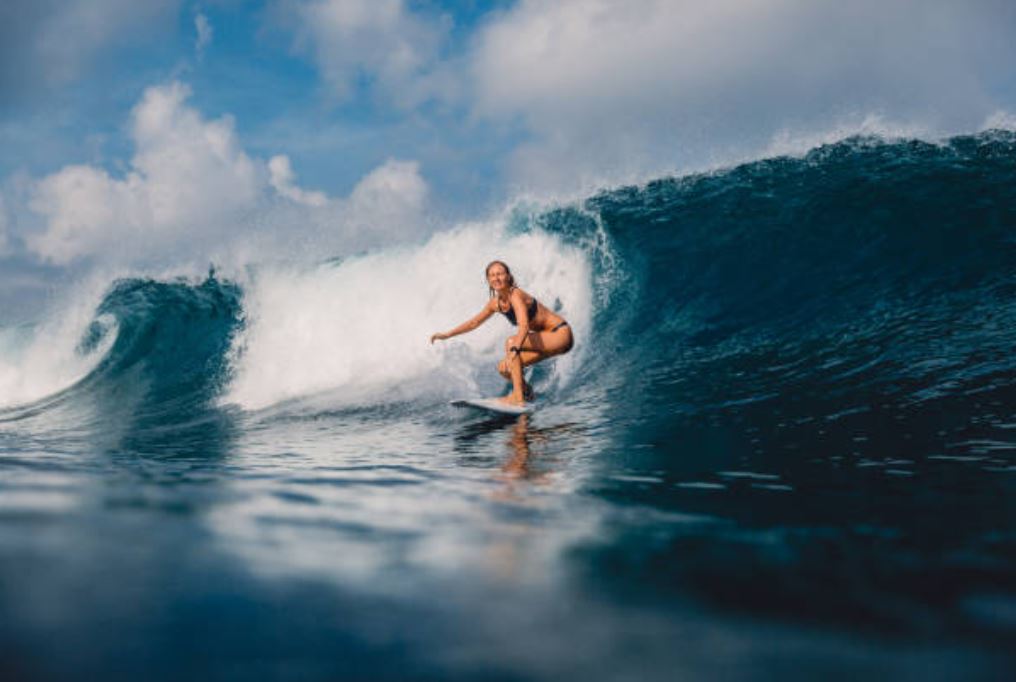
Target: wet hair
x=511 y=278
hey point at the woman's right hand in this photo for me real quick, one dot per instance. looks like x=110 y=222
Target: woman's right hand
x=438 y=337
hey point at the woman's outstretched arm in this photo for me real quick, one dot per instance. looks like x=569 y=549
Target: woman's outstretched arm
x=467 y=326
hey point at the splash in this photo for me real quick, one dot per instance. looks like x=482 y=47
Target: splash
x=358 y=328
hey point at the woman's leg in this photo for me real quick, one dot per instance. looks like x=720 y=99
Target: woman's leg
x=537 y=346
x=542 y=345
x=511 y=369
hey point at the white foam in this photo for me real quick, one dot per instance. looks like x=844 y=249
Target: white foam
x=42 y=359
x=359 y=330
x=1000 y=120
x=797 y=143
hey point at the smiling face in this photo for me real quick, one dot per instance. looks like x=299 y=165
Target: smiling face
x=499 y=277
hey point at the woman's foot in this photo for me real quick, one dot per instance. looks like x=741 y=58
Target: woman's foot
x=510 y=400
x=527 y=397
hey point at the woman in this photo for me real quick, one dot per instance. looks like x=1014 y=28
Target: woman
x=541 y=333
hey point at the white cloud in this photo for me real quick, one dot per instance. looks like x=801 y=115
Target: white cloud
x=283 y=179
x=390 y=198
x=204 y=33
x=192 y=189
x=387 y=206
x=376 y=41
x=607 y=88
x=187 y=175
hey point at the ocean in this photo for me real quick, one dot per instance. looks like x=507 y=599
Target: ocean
x=783 y=447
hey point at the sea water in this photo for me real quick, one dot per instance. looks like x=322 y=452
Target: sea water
x=784 y=445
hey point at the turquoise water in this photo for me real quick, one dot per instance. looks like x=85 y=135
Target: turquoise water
x=783 y=447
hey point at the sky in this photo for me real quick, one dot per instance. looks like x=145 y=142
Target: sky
x=139 y=133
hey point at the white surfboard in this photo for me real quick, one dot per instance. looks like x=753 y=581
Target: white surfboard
x=494 y=405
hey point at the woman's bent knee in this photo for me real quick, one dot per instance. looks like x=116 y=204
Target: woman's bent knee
x=569 y=342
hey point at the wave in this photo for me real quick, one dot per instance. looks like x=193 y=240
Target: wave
x=38 y=360
x=874 y=263
x=357 y=330
x=154 y=350
x=864 y=272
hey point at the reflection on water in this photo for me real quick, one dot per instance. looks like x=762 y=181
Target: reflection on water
x=535 y=454
x=349 y=504
x=517 y=464
x=406 y=540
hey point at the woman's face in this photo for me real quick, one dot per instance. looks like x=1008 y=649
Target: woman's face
x=497 y=277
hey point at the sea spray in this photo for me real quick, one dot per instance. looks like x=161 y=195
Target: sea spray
x=359 y=328
x=42 y=358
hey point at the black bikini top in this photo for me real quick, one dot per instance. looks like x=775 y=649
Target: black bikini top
x=531 y=310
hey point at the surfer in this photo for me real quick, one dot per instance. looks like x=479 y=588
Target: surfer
x=541 y=332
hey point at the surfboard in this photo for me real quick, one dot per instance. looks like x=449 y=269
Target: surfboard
x=494 y=405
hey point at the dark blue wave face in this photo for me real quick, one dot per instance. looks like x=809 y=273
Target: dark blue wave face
x=822 y=346
x=861 y=252
x=175 y=334
x=154 y=390
x=794 y=251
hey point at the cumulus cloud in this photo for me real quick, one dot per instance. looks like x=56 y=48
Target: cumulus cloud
x=377 y=42
x=47 y=43
x=386 y=206
x=607 y=86
x=283 y=179
x=191 y=187
x=187 y=174
x=389 y=198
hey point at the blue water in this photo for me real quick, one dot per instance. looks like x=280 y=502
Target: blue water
x=784 y=447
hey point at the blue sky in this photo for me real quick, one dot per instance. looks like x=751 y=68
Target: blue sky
x=253 y=69
x=142 y=132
